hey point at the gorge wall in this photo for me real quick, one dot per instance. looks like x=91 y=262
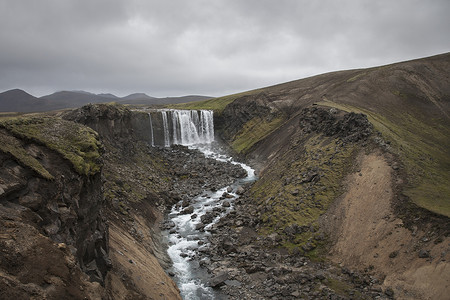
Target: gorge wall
x=53 y=221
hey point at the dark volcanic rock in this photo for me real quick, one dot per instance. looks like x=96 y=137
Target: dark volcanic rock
x=187 y=210
x=241 y=112
x=219 y=279
x=67 y=209
x=352 y=127
x=424 y=253
x=256 y=269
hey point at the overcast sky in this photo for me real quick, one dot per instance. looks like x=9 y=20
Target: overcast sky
x=207 y=47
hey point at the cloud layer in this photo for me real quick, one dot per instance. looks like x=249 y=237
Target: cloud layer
x=176 y=47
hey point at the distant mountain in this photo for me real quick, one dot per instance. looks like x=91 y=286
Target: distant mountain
x=161 y=101
x=72 y=99
x=20 y=101
x=108 y=95
x=138 y=97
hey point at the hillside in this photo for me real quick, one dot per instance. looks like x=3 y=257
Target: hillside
x=408 y=103
x=369 y=198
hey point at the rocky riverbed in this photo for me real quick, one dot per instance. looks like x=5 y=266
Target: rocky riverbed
x=192 y=172
x=246 y=265
x=241 y=262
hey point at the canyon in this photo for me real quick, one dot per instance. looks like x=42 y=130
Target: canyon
x=351 y=199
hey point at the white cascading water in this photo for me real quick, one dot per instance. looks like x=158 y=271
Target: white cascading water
x=187 y=127
x=175 y=125
x=151 y=130
x=166 y=129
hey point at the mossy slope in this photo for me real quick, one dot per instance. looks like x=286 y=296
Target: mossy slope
x=424 y=148
x=76 y=143
x=253 y=131
x=217 y=104
x=298 y=187
x=408 y=102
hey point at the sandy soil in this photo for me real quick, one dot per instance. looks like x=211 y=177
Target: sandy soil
x=366 y=234
x=137 y=273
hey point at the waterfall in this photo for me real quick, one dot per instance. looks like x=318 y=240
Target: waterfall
x=151 y=129
x=207 y=126
x=166 y=129
x=175 y=125
x=183 y=127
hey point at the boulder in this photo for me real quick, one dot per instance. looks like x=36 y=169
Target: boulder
x=240 y=190
x=218 y=280
x=187 y=210
x=424 y=253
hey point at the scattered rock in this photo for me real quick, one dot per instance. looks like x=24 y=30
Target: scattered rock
x=389 y=292
x=187 y=210
x=233 y=283
x=240 y=190
x=424 y=253
x=393 y=254
x=218 y=280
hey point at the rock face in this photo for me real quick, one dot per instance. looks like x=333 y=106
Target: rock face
x=237 y=113
x=61 y=207
x=351 y=127
x=112 y=122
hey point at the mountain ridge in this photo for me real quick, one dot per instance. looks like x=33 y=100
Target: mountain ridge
x=18 y=100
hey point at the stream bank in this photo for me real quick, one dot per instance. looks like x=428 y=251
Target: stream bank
x=189 y=226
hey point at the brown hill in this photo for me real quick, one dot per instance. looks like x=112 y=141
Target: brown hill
x=375 y=199
x=408 y=102
x=17 y=100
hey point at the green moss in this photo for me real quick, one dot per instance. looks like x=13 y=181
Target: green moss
x=342 y=288
x=134 y=177
x=216 y=104
x=14 y=147
x=290 y=196
x=424 y=148
x=254 y=131
x=75 y=142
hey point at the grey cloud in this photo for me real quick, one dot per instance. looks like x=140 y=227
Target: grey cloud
x=206 y=47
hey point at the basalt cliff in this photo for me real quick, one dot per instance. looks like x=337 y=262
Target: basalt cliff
x=351 y=201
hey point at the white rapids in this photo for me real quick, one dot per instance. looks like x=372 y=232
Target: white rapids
x=186 y=241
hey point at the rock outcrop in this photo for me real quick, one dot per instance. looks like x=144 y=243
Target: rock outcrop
x=54 y=194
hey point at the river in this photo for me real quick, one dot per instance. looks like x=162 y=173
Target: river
x=188 y=237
